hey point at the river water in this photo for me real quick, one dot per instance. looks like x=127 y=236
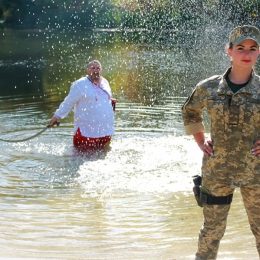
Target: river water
x=134 y=201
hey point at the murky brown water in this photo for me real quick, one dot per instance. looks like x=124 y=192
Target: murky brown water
x=135 y=201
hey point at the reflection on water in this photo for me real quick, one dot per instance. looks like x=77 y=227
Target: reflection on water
x=133 y=202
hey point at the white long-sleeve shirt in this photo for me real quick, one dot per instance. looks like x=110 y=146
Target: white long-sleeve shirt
x=93 y=112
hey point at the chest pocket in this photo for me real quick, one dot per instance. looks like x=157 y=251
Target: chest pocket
x=216 y=111
x=252 y=111
x=236 y=111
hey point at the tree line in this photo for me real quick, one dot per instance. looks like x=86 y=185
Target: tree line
x=145 y=14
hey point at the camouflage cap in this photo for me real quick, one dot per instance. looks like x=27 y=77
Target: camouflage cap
x=244 y=32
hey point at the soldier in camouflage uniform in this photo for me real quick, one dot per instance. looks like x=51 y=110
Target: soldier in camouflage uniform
x=232 y=154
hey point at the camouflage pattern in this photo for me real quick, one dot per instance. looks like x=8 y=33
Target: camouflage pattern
x=244 y=32
x=234 y=128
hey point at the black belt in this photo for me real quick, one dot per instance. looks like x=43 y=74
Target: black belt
x=215 y=200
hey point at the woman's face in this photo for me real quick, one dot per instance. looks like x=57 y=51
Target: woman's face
x=244 y=54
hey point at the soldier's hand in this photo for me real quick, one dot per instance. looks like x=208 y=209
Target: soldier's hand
x=256 y=148
x=207 y=147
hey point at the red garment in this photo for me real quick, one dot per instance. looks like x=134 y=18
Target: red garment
x=83 y=143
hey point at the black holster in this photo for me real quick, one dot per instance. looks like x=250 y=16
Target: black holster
x=205 y=198
x=196 y=189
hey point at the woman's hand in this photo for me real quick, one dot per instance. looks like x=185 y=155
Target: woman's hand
x=256 y=148
x=206 y=147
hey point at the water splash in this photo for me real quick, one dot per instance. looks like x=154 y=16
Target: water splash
x=142 y=164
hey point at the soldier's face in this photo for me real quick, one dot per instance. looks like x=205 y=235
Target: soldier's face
x=244 y=54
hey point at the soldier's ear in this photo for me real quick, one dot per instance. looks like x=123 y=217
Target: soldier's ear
x=229 y=51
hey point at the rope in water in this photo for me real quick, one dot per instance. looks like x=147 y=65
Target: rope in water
x=27 y=138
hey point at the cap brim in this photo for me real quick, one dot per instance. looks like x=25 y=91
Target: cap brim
x=243 y=38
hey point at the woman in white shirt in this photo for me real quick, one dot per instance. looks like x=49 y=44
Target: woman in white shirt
x=91 y=98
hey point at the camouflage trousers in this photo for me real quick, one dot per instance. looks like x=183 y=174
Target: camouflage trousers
x=215 y=219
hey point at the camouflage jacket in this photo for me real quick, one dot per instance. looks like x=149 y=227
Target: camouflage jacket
x=234 y=123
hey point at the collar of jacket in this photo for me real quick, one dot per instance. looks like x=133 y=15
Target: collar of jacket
x=250 y=88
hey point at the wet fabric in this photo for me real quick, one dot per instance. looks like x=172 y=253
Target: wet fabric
x=93 y=111
x=83 y=143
